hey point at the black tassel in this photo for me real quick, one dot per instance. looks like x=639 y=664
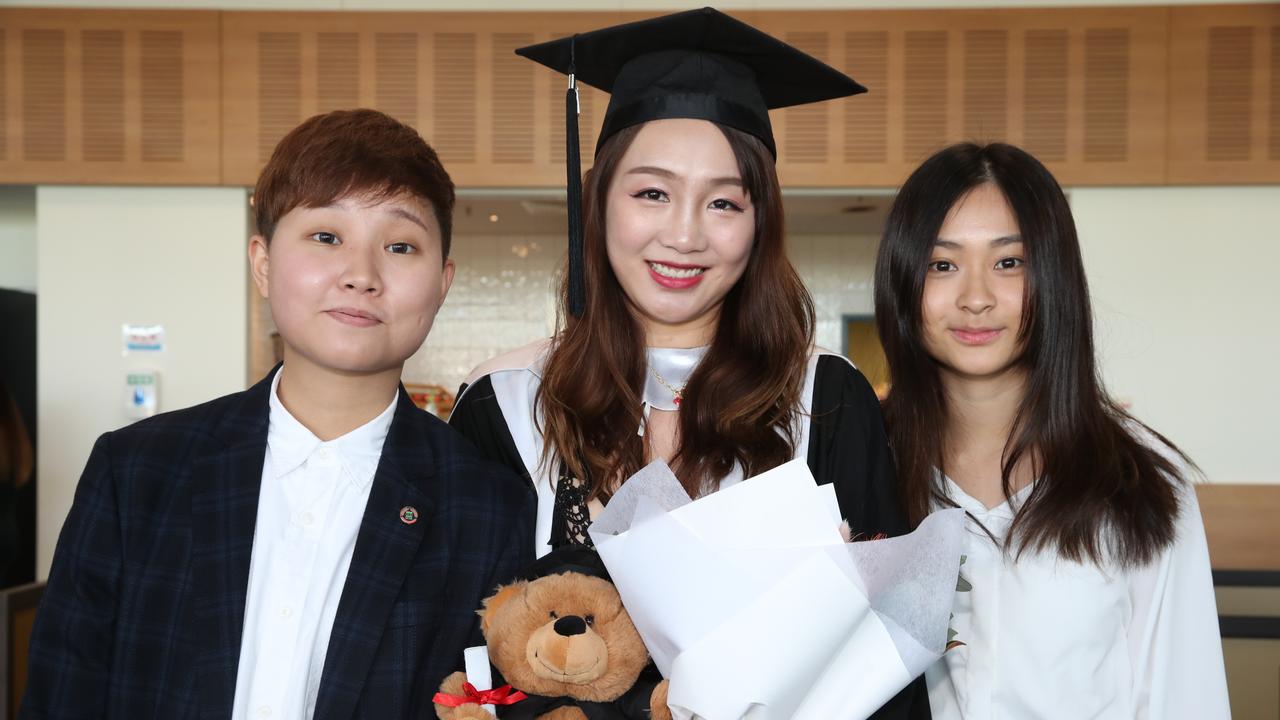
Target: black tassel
x=577 y=273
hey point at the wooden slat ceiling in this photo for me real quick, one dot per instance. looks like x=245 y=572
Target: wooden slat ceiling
x=1139 y=95
x=100 y=96
x=1224 y=108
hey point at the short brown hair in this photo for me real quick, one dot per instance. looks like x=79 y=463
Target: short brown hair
x=347 y=152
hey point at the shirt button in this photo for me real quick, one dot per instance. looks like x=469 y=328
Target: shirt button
x=286 y=613
x=308 y=519
x=264 y=711
x=323 y=454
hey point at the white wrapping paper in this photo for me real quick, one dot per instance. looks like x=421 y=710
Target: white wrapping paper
x=753 y=606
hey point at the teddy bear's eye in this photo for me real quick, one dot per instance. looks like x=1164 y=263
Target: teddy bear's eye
x=553 y=615
x=591 y=619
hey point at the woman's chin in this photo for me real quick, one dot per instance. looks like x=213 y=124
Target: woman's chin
x=681 y=316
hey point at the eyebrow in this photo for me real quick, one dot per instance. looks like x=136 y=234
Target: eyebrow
x=402 y=213
x=396 y=211
x=664 y=173
x=998 y=242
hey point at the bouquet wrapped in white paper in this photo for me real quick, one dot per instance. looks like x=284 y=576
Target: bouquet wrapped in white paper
x=753 y=606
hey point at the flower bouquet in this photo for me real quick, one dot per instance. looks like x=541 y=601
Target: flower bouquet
x=753 y=605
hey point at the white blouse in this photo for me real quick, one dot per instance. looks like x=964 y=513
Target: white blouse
x=1050 y=638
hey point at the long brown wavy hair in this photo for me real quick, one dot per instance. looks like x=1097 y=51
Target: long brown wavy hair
x=1102 y=490
x=739 y=403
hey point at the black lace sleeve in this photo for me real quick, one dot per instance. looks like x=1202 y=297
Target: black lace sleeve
x=571 y=517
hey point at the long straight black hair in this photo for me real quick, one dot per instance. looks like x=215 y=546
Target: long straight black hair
x=1102 y=491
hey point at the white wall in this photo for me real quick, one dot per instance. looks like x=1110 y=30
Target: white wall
x=18 y=237
x=1186 y=294
x=113 y=255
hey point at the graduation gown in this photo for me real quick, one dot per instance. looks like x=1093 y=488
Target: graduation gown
x=839 y=427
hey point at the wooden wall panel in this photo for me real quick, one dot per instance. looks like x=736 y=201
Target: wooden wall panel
x=866 y=122
x=44 y=95
x=1106 y=95
x=279 y=79
x=513 y=89
x=1240 y=523
x=396 y=74
x=4 y=93
x=1084 y=89
x=1044 y=94
x=986 y=83
x=496 y=119
x=132 y=96
x=102 y=112
x=101 y=96
x=1273 y=115
x=164 y=100
x=454 y=105
x=1225 y=114
x=806 y=137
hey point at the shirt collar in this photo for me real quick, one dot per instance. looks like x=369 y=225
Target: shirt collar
x=291 y=443
x=672 y=365
x=1006 y=509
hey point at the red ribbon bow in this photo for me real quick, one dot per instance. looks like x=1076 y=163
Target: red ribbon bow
x=497 y=696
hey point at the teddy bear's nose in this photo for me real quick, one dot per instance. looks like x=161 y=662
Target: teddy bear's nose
x=570 y=625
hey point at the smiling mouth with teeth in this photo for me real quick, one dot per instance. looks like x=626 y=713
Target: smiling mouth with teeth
x=674 y=272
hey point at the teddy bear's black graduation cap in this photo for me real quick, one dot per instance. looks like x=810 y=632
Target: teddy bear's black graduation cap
x=699 y=64
x=566 y=559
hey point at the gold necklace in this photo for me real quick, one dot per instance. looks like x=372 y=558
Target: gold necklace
x=677 y=392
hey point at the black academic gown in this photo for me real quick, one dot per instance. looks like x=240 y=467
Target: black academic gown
x=847 y=447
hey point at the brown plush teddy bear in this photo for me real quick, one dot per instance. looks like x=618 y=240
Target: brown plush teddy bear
x=563 y=641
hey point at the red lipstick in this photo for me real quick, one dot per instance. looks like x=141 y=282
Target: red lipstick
x=686 y=279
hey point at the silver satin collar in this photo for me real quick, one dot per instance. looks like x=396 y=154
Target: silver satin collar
x=675 y=365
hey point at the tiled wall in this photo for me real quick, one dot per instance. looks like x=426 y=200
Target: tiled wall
x=503 y=297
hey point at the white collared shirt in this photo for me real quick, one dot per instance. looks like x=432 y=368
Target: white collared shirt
x=310 y=506
x=1051 y=638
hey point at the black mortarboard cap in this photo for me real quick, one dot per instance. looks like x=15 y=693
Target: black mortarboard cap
x=699 y=64
x=567 y=558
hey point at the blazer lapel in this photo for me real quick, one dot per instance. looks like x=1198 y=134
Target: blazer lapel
x=395 y=521
x=224 y=512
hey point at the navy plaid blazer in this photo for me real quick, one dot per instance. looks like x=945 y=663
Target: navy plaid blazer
x=145 y=604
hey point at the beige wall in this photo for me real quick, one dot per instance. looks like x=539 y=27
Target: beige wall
x=113 y=255
x=1186 y=294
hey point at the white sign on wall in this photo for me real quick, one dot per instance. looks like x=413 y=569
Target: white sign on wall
x=142 y=338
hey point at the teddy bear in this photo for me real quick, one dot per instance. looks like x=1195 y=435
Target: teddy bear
x=563 y=641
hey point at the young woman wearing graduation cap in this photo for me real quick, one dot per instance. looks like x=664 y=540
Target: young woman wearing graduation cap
x=686 y=333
